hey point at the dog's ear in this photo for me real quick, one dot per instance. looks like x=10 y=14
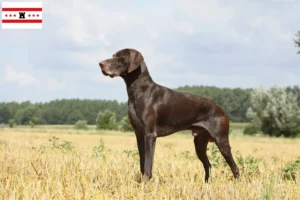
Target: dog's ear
x=136 y=59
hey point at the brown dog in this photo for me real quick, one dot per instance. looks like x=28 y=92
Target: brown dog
x=156 y=111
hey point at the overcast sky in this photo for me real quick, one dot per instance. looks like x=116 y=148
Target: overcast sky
x=234 y=43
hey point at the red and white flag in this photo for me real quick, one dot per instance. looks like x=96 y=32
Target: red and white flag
x=22 y=15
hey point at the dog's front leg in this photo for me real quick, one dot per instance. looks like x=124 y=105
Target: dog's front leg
x=141 y=147
x=149 y=141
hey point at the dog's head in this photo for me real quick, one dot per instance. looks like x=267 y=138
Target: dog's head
x=122 y=63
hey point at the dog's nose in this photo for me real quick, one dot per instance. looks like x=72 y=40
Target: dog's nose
x=101 y=64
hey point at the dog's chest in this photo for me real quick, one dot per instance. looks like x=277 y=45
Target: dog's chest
x=134 y=116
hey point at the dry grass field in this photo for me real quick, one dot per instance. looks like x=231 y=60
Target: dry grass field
x=59 y=162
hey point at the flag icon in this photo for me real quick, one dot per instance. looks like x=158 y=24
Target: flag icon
x=22 y=15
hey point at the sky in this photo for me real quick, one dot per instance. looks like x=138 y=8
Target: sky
x=245 y=43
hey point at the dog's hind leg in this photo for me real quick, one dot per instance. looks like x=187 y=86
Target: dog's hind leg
x=225 y=149
x=220 y=135
x=201 y=140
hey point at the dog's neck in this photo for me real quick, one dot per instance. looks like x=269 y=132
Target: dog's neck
x=137 y=78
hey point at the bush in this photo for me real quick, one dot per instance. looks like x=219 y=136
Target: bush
x=98 y=151
x=66 y=146
x=106 y=120
x=248 y=164
x=32 y=122
x=275 y=112
x=81 y=124
x=125 y=124
x=11 y=123
x=250 y=130
x=291 y=170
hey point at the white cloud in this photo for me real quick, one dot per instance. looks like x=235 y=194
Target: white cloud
x=206 y=12
x=286 y=36
x=90 y=23
x=209 y=17
x=183 y=42
x=22 y=78
x=156 y=60
x=261 y=22
x=185 y=27
x=54 y=84
x=100 y=78
x=90 y=59
x=271 y=25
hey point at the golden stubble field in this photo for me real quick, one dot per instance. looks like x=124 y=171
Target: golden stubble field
x=63 y=163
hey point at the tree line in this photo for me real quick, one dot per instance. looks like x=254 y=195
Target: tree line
x=65 y=111
x=234 y=101
x=68 y=111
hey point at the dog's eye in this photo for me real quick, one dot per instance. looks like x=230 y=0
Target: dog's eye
x=116 y=56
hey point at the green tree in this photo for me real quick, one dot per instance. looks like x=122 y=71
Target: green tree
x=81 y=124
x=23 y=116
x=275 y=111
x=4 y=114
x=50 y=116
x=297 y=41
x=11 y=123
x=295 y=90
x=32 y=122
x=74 y=116
x=125 y=124
x=13 y=108
x=106 y=120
